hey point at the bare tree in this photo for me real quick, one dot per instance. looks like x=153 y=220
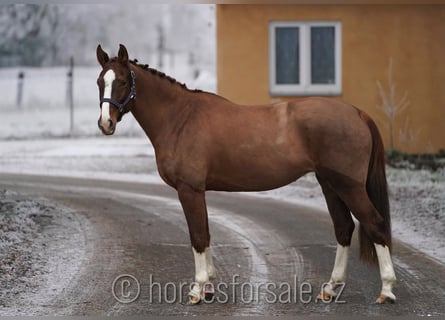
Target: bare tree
x=390 y=106
x=407 y=135
x=48 y=34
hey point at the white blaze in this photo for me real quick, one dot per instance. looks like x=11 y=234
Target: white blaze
x=108 y=79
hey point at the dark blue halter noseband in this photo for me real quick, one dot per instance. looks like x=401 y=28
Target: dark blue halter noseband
x=131 y=96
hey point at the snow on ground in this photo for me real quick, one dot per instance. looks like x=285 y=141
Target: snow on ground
x=37 y=239
x=417 y=199
x=56 y=123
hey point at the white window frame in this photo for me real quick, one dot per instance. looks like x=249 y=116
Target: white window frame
x=305 y=87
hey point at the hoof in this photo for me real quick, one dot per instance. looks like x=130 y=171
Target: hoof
x=324 y=297
x=193 y=300
x=196 y=296
x=208 y=292
x=385 y=299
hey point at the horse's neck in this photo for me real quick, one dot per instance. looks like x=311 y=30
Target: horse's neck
x=160 y=107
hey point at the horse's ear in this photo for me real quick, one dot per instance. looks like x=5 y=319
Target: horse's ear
x=102 y=56
x=123 y=54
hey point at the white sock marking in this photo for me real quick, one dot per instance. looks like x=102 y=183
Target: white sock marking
x=339 y=272
x=387 y=273
x=108 y=79
x=340 y=264
x=201 y=275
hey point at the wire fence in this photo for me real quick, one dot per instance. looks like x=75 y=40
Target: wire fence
x=46 y=88
x=64 y=101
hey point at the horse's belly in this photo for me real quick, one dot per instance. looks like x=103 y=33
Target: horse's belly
x=253 y=176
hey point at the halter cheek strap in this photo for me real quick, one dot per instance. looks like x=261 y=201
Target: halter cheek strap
x=131 y=96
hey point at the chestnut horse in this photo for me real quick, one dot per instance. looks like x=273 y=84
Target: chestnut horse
x=205 y=142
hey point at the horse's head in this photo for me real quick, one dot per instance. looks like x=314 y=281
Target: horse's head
x=117 y=88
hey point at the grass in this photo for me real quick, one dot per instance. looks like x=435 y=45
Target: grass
x=428 y=161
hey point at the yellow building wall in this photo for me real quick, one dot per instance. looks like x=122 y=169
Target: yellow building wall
x=412 y=36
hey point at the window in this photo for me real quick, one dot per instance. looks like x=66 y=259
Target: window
x=305 y=58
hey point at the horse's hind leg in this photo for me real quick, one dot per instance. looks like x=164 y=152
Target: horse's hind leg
x=357 y=199
x=195 y=210
x=344 y=228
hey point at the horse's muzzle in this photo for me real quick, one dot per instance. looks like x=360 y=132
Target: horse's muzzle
x=107 y=128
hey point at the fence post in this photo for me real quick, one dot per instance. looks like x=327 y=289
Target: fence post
x=20 y=81
x=161 y=46
x=70 y=95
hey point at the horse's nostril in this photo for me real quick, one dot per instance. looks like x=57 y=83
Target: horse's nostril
x=110 y=123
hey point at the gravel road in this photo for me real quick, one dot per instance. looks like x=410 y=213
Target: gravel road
x=271 y=257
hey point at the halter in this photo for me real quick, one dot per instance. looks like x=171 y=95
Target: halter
x=131 y=96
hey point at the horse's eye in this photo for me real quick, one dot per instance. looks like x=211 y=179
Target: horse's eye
x=122 y=83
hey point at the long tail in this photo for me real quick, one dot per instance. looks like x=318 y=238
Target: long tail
x=377 y=188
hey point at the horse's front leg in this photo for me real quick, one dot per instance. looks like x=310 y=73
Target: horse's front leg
x=195 y=210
